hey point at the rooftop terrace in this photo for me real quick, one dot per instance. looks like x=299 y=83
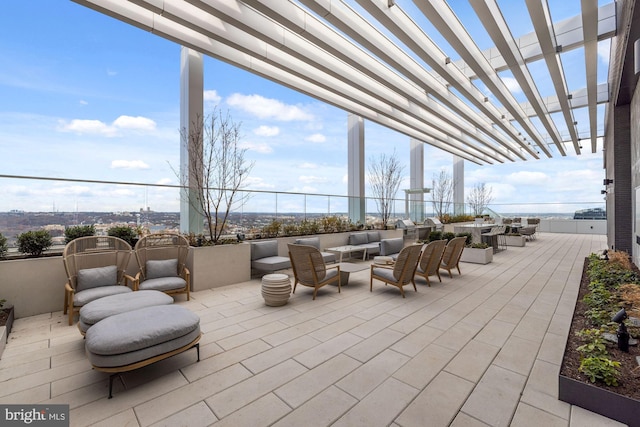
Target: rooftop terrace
x=483 y=348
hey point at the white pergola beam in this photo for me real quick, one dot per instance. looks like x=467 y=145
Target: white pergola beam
x=590 y=35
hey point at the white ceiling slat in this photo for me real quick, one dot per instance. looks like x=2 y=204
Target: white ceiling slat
x=590 y=30
x=447 y=23
x=497 y=27
x=541 y=17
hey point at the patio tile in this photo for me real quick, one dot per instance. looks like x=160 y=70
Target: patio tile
x=457 y=336
x=544 y=377
x=528 y=416
x=380 y=407
x=374 y=345
x=276 y=355
x=417 y=340
x=367 y=329
x=250 y=335
x=473 y=360
x=197 y=415
x=32 y=395
x=495 y=398
x=293 y=332
x=552 y=348
x=581 y=417
x=322 y=410
x=311 y=383
x=365 y=378
x=332 y=330
x=245 y=392
x=328 y=349
x=439 y=402
x=262 y=412
x=125 y=418
x=464 y=420
x=496 y=333
x=425 y=366
x=546 y=402
x=517 y=355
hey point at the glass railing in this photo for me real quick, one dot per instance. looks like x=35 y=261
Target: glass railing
x=31 y=203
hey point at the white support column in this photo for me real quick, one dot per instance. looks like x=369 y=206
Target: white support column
x=458 y=185
x=416 y=181
x=355 y=159
x=191 y=111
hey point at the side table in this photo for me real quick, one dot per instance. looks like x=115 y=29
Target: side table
x=276 y=289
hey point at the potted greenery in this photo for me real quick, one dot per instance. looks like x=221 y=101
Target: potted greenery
x=34 y=243
x=476 y=253
x=75 y=231
x=125 y=233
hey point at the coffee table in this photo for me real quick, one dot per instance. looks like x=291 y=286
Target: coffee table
x=348 y=267
x=348 y=249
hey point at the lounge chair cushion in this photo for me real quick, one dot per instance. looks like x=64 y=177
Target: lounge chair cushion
x=386 y=273
x=309 y=241
x=140 y=334
x=265 y=249
x=373 y=236
x=271 y=263
x=163 y=284
x=95 y=277
x=100 y=309
x=88 y=295
x=162 y=268
x=358 y=239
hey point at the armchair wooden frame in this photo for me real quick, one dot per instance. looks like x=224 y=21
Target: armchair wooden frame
x=309 y=268
x=402 y=272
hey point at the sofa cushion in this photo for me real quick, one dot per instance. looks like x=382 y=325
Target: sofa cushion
x=391 y=246
x=95 y=277
x=309 y=241
x=358 y=239
x=162 y=268
x=91 y=294
x=271 y=263
x=163 y=284
x=265 y=249
x=373 y=236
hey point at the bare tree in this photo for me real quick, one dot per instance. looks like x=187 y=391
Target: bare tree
x=217 y=171
x=385 y=175
x=442 y=193
x=479 y=198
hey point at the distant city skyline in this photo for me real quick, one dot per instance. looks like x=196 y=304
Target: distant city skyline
x=85 y=96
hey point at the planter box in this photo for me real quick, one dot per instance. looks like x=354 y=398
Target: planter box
x=6 y=329
x=477 y=256
x=222 y=265
x=516 y=240
x=598 y=400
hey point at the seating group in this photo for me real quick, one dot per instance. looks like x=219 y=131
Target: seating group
x=129 y=322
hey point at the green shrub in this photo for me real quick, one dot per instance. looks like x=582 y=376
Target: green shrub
x=601 y=369
x=468 y=240
x=34 y=242
x=75 y=231
x=435 y=235
x=124 y=232
x=309 y=227
x=272 y=229
x=594 y=344
x=448 y=235
x=3 y=246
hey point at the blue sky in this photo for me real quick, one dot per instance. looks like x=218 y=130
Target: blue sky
x=85 y=96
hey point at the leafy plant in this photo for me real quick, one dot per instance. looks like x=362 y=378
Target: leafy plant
x=448 y=235
x=468 y=240
x=435 y=235
x=272 y=229
x=594 y=344
x=479 y=245
x=34 y=243
x=601 y=369
x=3 y=246
x=75 y=231
x=125 y=233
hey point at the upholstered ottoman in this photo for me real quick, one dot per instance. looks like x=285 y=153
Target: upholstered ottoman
x=100 y=309
x=131 y=340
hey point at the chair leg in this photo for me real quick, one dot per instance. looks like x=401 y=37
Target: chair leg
x=401 y=291
x=339 y=288
x=315 y=291
x=371 y=284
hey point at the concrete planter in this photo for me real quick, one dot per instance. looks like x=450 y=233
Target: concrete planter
x=6 y=329
x=477 y=256
x=221 y=265
x=516 y=240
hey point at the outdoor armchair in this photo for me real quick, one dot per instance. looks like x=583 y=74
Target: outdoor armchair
x=95 y=268
x=401 y=273
x=430 y=259
x=452 y=254
x=162 y=259
x=309 y=268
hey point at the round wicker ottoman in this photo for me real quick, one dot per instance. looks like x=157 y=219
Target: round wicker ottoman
x=276 y=289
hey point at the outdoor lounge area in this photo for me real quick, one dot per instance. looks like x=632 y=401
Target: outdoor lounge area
x=480 y=348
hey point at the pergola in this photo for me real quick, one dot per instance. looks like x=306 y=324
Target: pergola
x=372 y=59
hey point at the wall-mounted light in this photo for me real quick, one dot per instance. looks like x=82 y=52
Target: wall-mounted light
x=607 y=181
x=603 y=191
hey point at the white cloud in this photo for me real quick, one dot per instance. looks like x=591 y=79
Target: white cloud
x=135 y=123
x=211 y=96
x=164 y=181
x=268 y=108
x=308 y=165
x=256 y=183
x=257 y=147
x=310 y=179
x=316 y=138
x=267 y=130
x=97 y=127
x=528 y=178
x=83 y=102
x=112 y=73
x=512 y=84
x=129 y=164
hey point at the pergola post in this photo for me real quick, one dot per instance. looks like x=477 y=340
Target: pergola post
x=458 y=185
x=416 y=180
x=191 y=112
x=355 y=161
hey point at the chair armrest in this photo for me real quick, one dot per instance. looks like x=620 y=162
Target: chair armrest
x=385 y=266
x=134 y=281
x=68 y=288
x=334 y=266
x=186 y=274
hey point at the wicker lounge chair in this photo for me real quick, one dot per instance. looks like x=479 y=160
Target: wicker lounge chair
x=95 y=268
x=162 y=259
x=401 y=273
x=452 y=253
x=430 y=259
x=309 y=268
